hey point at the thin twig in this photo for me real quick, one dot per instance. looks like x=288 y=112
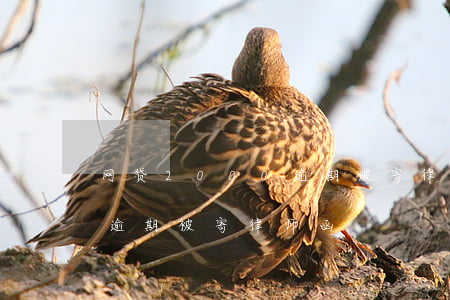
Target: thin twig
x=49 y=209
x=423 y=213
x=133 y=244
x=20 y=9
x=422 y=209
x=16 y=221
x=219 y=241
x=21 y=42
x=128 y=109
x=96 y=93
x=48 y=280
x=179 y=38
x=168 y=76
x=23 y=187
x=443 y=207
x=447 y=6
x=438 y=189
x=100 y=232
x=33 y=209
x=396 y=75
x=353 y=72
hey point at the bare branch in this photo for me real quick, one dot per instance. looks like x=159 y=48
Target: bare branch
x=96 y=93
x=233 y=236
x=50 y=212
x=20 y=10
x=390 y=113
x=12 y=24
x=121 y=254
x=179 y=38
x=49 y=209
x=33 y=209
x=23 y=187
x=128 y=109
x=439 y=192
x=354 y=71
x=100 y=232
x=48 y=280
x=447 y=5
x=168 y=76
x=16 y=221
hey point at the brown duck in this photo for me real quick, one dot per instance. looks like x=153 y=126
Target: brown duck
x=258 y=124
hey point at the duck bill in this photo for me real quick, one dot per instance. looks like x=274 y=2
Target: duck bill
x=362 y=183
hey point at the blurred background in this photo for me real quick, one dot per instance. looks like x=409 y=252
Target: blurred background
x=79 y=48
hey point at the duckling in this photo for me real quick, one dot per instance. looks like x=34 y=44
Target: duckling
x=257 y=124
x=341 y=200
x=340 y=203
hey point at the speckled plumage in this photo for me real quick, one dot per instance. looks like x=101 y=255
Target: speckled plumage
x=253 y=124
x=340 y=203
x=342 y=200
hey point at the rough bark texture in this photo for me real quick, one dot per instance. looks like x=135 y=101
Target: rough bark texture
x=413 y=249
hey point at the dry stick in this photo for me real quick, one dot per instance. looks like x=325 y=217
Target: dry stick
x=168 y=76
x=33 y=209
x=179 y=38
x=422 y=211
x=98 y=235
x=100 y=232
x=23 y=187
x=128 y=108
x=16 y=221
x=49 y=209
x=94 y=91
x=216 y=242
x=13 y=23
x=116 y=198
x=443 y=207
x=442 y=200
x=439 y=186
x=16 y=294
x=354 y=71
x=22 y=41
x=121 y=254
x=390 y=113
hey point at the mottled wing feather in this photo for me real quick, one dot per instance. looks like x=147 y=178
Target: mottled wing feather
x=233 y=137
x=88 y=191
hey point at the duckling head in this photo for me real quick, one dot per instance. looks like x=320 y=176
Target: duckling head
x=349 y=174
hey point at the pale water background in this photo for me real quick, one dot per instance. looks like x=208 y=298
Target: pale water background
x=80 y=43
